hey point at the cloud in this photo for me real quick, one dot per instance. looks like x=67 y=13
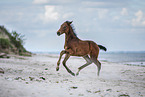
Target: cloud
x=99 y=12
x=90 y=3
x=68 y=15
x=139 y=15
x=116 y=18
x=103 y=3
x=124 y=11
x=40 y=1
x=139 y=20
x=50 y=14
x=143 y=22
x=55 y=2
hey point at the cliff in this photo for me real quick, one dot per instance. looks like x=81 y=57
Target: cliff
x=12 y=43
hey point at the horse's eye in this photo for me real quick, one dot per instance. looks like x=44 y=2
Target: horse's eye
x=64 y=27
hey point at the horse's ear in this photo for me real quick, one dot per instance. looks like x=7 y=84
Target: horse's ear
x=70 y=22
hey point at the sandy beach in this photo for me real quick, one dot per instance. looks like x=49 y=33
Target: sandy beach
x=36 y=76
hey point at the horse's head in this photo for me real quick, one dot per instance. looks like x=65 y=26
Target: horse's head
x=64 y=28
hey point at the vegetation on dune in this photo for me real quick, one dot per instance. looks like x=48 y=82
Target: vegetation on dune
x=4 y=43
x=12 y=42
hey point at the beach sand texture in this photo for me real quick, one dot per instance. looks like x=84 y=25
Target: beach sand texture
x=36 y=76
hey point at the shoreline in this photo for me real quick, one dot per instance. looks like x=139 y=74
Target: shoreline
x=36 y=76
x=105 y=57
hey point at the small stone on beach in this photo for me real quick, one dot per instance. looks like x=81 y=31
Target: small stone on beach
x=97 y=91
x=74 y=87
x=42 y=78
x=124 y=95
x=1 y=70
x=31 y=78
x=110 y=90
x=81 y=95
x=4 y=55
x=89 y=91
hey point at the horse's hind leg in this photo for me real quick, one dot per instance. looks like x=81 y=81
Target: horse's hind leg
x=88 y=63
x=98 y=64
x=64 y=64
x=58 y=63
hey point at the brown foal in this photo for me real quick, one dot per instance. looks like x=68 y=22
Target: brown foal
x=77 y=47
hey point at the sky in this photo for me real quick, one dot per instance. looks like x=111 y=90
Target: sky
x=119 y=25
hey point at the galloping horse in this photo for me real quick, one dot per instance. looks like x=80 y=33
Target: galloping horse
x=77 y=47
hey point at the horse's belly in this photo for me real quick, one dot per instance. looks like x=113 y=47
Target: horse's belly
x=81 y=52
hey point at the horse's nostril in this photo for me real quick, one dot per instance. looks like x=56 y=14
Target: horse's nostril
x=58 y=33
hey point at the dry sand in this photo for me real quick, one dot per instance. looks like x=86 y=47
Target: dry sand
x=36 y=77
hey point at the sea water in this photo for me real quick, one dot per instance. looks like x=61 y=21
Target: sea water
x=128 y=58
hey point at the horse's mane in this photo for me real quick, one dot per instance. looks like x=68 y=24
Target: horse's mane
x=72 y=26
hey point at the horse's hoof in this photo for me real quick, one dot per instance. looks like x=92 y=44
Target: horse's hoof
x=73 y=74
x=77 y=73
x=57 y=68
x=58 y=63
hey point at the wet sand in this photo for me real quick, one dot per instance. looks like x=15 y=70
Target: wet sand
x=36 y=76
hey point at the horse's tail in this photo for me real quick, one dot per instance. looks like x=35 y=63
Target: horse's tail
x=102 y=47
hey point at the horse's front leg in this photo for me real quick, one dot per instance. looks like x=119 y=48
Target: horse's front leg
x=58 y=63
x=64 y=64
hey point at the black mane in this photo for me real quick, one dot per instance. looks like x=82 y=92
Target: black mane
x=72 y=26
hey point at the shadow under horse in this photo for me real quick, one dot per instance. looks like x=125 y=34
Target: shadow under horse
x=74 y=46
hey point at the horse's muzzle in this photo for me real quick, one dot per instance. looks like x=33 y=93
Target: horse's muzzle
x=58 y=33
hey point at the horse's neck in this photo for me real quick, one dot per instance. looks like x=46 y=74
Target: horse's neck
x=70 y=36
